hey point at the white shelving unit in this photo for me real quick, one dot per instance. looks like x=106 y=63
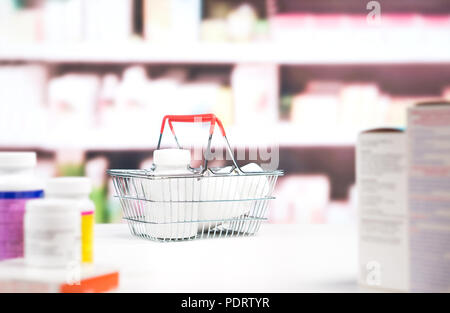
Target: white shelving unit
x=230 y=53
x=282 y=135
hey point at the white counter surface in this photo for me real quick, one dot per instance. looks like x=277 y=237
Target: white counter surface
x=280 y=258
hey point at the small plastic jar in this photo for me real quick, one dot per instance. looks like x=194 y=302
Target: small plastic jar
x=77 y=189
x=52 y=233
x=17 y=186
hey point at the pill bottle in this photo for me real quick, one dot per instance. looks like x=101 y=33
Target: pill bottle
x=172 y=213
x=52 y=233
x=17 y=186
x=77 y=189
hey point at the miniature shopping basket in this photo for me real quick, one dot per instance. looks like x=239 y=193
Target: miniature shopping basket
x=208 y=203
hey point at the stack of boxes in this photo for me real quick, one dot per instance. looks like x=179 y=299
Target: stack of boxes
x=403 y=181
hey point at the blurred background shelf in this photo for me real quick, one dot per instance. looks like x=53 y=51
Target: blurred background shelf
x=282 y=135
x=351 y=52
x=85 y=83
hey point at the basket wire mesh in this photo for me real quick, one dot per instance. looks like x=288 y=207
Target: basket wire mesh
x=207 y=204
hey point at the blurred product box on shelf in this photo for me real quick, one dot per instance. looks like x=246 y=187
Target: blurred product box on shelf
x=429 y=196
x=82 y=110
x=349 y=107
x=175 y=21
x=18 y=24
x=213 y=30
x=15 y=276
x=224 y=106
x=241 y=23
x=301 y=199
x=284 y=27
x=76 y=110
x=381 y=178
x=23 y=117
x=210 y=93
x=72 y=101
x=314 y=29
x=316 y=109
x=108 y=112
x=115 y=26
x=169 y=21
x=62 y=21
x=328 y=29
x=255 y=94
x=172 y=20
x=197 y=97
x=70 y=162
x=73 y=21
x=134 y=104
x=214 y=24
x=66 y=21
x=226 y=22
x=362 y=106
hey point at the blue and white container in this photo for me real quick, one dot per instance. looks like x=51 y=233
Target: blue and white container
x=17 y=186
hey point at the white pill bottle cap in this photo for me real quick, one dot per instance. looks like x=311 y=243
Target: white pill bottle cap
x=17 y=160
x=171 y=157
x=16 y=172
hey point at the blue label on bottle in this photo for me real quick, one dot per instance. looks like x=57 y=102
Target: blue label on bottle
x=21 y=194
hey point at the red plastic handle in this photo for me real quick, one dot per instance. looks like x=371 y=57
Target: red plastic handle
x=202 y=118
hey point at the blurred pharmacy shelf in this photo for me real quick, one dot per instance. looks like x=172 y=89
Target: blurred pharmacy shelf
x=347 y=52
x=283 y=134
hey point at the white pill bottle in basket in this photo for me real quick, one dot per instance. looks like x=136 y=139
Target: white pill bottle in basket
x=171 y=212
x=236 y=192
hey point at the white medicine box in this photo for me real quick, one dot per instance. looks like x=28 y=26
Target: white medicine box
x=381 y=179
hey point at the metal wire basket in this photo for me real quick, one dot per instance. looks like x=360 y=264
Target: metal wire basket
x=208 y=203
